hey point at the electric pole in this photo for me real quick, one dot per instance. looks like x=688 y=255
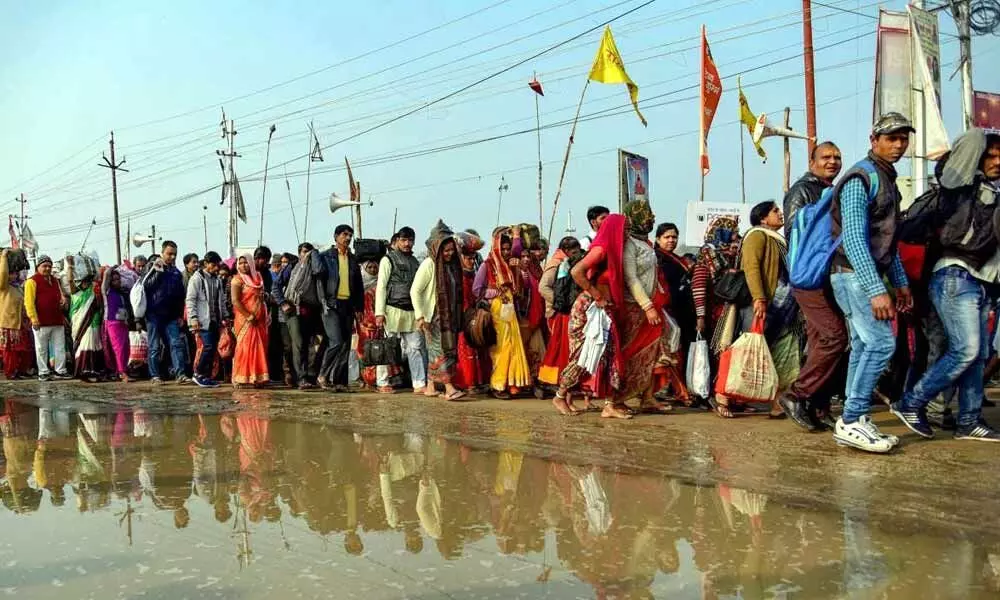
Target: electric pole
x=961 y=11
x=20 y=224
x=229 y=180
x=807 y=55
x=204 y=224
x=115 y=167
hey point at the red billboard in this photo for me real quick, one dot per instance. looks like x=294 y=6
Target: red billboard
x=986 y=111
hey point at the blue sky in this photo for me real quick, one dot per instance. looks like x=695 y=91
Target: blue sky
x=159 y=74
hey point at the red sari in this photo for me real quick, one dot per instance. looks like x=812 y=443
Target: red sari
x=474 y=366
x=250 y=360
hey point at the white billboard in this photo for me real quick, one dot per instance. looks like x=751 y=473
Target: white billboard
x=700 y=214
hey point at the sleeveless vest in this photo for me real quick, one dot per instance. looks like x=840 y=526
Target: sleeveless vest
x=404 y=270
x=883 y=210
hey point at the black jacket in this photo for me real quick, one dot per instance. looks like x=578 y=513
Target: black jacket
x=328 y=271
x=803 y=192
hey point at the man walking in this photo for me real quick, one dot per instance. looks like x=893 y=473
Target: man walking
x=595 y=216
x=969 y=261
x=807 y=402
x=394 y=310
x=164 y=309
x=302 y=301
x=206 y=313
x=343 y=303
x=864 y=211
x=44 y=302
x=190 y=267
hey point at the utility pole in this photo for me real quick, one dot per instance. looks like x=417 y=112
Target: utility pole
x=788 y=151
x=503 y=187
x=315 y=155
x=20 y=224
x=229 y=134
x=115 y=167
x=961 y=11
x=807 y=56
x=204 y=224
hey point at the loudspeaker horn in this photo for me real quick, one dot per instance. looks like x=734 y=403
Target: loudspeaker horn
x=764 y=129
x=139 y=240
x=336 y=203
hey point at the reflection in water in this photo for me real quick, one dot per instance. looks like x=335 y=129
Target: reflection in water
x=437 y=502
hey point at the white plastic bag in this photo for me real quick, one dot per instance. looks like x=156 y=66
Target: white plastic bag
x=699 y=373
x=137 y=297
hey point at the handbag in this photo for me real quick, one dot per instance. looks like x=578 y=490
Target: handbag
x=731 y=287
x=479 y=329
x=227 y=344
x=382 y=351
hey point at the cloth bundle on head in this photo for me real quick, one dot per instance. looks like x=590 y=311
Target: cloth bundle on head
x=640 y=217
x=468 y=243
x=438 y=233
x=721 y=241
x=128 y=276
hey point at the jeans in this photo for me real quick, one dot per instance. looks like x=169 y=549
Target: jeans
x=302 y=329
x=872 y=345
x=209 y=345
x=963 y=308
x=338 y=323
x=166 y=333
x=415 y=351
x=50 y=341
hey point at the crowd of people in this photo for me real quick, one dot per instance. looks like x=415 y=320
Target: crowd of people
x=902 y=311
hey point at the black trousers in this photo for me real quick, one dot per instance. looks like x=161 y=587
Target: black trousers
x=302 y=330
x=338 y=323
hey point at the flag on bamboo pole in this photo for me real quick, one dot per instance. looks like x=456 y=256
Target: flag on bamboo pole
x=355 y=187
x=536 y=86
x=13 y=234
x=749 y=121
x=241 y=209
x=28 y=241
x=609 y=68
x=711 y=91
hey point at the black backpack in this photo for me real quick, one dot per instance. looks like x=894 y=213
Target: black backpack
x=565 y=289
x=921 y=222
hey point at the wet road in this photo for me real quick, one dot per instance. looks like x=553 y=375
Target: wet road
x=114 y=494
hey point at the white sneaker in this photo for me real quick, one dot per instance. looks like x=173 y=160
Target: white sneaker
x=864 y=435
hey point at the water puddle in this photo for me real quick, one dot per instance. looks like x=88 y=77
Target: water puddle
x=132 y=504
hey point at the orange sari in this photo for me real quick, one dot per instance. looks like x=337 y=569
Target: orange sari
x=250 y=359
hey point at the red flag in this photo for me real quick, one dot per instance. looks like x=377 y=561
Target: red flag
x=13 y=235
x=536 y=86
x=711 y=91
x=355 y=187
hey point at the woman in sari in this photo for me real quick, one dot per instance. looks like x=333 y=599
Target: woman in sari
x=12 y=323
x=437 y=305
x=601 y=277
x=531 y=310
x=473 y=370
x=648 y=365
x=117 y=317
x=86 y=318
x=720 y=253
x=501 y=282
x=676 y=271
x=251 y=325
x=557 y=269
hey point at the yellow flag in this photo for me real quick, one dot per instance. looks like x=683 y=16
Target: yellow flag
x=609 y=68
x=749 y=120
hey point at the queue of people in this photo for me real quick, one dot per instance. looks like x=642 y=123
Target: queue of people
x=607 y=318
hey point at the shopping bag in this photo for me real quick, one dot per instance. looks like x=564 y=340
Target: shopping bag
x=227 y=343
x=699 y=372
x=787 y=361
x=746 y=371
x=138 y=347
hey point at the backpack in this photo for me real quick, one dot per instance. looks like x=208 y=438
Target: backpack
x=812 y=244
x=565 y=290
x=301 y=284
x=919 y=224
x=137 y=297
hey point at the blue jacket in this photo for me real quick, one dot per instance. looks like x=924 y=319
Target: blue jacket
x=328 y=271
x=165 y=294
x=278 y=291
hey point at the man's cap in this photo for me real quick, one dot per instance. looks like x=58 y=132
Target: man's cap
x=276 y=260
x=891 y=123
x=42 y=260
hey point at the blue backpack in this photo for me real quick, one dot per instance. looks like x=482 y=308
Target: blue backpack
x=812 y=243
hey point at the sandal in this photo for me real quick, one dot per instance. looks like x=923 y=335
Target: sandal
x=456 y=395
x=655 y=408
x=722 y=410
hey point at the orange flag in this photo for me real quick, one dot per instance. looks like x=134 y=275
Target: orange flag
x=711 y=91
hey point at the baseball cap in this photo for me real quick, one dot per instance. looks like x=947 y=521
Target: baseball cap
x=891 y=123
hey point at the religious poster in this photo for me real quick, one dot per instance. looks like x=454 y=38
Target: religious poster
x=634 y=173
x=986 y=111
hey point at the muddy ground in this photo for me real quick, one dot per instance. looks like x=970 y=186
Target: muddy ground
x=938 y=485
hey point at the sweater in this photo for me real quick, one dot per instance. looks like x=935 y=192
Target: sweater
x=423 y=293
x=42 y=301
x=761 y=261
x=11 y=299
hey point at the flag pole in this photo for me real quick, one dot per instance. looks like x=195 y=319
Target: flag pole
x=569 y=146
x=743 y=173
x=538 y=135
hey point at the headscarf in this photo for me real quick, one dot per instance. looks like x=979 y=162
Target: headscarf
x=448 y=285
x=611 y=237
x=962 y=164
x=367 y=278
x=253 y=278
x=640 y=217
x=721 y=245
x=498 y=273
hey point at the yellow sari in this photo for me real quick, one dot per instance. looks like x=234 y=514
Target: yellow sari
x=510 y=363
